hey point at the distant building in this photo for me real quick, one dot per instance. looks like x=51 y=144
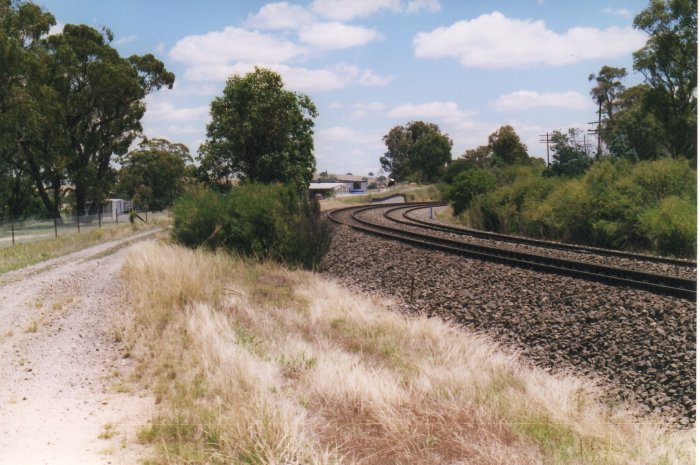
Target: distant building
x=354 y=184
x=117 y=206
x=328 y=189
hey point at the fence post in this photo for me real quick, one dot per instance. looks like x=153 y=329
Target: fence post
x=146 y=216
x=99 y=216
x=12 y=222
x=55 y=226
x=77 y=220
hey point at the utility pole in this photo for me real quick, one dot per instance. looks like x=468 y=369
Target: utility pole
x=596 y=131
x=544 y=139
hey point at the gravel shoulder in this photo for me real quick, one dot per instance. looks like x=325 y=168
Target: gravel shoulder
x=65 y=396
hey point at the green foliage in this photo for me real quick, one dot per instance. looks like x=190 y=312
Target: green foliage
x=260 y=132
x=417 y=151
x=455 y=167
x=569 y=155
x=68 y=103
x=646 y=206
x=620 y=147
x=467 y=185
x=671 y=227
x=668 y=62
x=152 y=175
x=608 y=89
x=506 y=147
x=266 y=221
x=637 y=125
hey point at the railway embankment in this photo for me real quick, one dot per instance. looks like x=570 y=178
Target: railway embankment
x=641 y=345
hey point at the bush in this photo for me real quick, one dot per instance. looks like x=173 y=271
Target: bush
x=256 y=220
x=467 y=185
x=617 y=204
x=671 y=227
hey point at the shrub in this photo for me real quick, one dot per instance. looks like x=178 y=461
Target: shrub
x=256 y=220
x=467 y=185
x=671 y=227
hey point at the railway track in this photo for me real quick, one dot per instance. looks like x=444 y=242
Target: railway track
x=394 y=222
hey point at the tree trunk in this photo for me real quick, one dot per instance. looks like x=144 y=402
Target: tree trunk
x=80 y=198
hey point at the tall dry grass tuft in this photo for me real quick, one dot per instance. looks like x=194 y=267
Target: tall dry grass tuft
x=253 y=363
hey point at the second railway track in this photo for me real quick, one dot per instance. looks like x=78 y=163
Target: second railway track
x=394 y=222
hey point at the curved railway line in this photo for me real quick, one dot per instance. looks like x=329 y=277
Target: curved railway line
x=659 y=275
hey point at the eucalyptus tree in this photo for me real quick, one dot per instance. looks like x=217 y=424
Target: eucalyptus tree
x=668 y=62
x=68 y=103
x=101 y=100
x=152 y=175
x=31 y=139
x=416 y=151
x=259 y=132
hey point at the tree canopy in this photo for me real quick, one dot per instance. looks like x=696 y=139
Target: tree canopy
x=68 y=103
x=506 y=146
x=668 y=62
x=416 y=151
x=152 y=175
x=570 y=157
x=260 y=132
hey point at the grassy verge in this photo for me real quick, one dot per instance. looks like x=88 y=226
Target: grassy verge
x=255 y=364
x=413 y=194
x=21 y=255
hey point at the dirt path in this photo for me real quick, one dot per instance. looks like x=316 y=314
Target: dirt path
x=62 y=370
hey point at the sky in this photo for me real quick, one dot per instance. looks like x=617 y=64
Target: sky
x=369 y=65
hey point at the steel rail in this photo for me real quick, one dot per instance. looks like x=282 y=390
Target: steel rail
x=653 y=282
x=535 y=242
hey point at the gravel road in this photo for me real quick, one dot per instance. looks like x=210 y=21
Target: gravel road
x=61 y=365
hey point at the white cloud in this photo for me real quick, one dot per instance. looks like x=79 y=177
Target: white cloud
x=158 y=110
x=56 y=28
x=496 y=41
x=360 y=110
x=234 y=44
x=625 y=13
x=448 y=112
x=345 y=134
x=280 y=15
x=525 y=99
x=187 y=129
x=335 y=35
x=416 y=5
x=297 y=78
x=344 y=10
x=125 y=40
x=370 y=79
x=373 y=106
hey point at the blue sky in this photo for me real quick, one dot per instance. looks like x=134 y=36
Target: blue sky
x=369 y=65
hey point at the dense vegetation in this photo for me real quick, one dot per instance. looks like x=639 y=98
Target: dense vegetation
x=649 y=206
x=266 y=221
x=69 y=106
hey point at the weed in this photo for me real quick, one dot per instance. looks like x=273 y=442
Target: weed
x=108 y=431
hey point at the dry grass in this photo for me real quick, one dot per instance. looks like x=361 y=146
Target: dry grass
x=21 y=255
x=255 y=364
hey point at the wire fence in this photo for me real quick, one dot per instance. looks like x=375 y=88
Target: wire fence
x=24 y=230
